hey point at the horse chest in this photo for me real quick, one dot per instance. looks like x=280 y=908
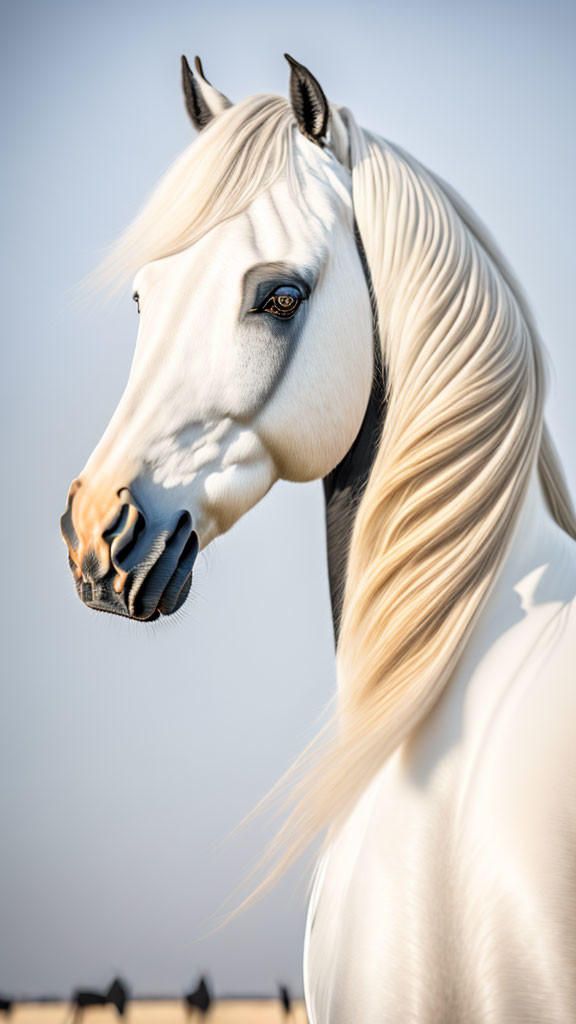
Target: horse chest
x=452 y=883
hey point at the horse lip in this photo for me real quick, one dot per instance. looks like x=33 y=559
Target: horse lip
x=113 y=607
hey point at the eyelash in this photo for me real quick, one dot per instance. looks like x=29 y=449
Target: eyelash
x=136 y=299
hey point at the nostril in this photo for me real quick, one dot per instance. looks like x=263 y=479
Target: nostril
x=126 y=545
x=184 y=519
x=190 y=549
x=117 y=525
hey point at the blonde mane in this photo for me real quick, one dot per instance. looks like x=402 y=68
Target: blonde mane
x=238 y=156
x=463 y=429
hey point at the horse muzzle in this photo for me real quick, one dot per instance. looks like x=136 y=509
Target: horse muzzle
x=132 y=566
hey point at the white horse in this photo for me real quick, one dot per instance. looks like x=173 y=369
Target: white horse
x=316 y=304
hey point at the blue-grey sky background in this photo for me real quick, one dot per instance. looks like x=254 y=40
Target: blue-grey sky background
x=128 y=754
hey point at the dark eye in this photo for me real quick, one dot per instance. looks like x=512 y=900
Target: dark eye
x=283 y=302
x=136 y=298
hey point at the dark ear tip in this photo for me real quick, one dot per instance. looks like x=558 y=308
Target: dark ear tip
x=308 y=101
x=299 y=68
x=185 y=64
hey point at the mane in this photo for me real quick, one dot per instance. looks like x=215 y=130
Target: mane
x=463 y=430
x=239 y=155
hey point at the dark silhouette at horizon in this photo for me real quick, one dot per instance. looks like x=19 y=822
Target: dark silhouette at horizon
x=117 y=995
x=285 y=999
x=200 y=999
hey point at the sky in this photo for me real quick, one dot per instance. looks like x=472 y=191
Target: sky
x=129 y=754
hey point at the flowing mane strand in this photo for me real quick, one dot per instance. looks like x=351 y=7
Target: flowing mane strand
x=463 y=429
x=238 y=156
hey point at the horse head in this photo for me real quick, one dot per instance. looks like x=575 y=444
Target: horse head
x=254 y=358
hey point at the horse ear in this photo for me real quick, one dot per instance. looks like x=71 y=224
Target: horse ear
x=203 y=101
x=308 y=101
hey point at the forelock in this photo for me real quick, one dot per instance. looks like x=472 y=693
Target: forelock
x=238 y=156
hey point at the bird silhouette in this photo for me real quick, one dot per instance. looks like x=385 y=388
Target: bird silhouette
x=200 y=999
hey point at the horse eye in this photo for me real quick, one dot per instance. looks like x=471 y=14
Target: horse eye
x=136 y=298
x=283 y=302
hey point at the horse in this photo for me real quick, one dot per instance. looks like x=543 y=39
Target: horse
x=315 y=304
x=116 y=995
x=198 y=999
